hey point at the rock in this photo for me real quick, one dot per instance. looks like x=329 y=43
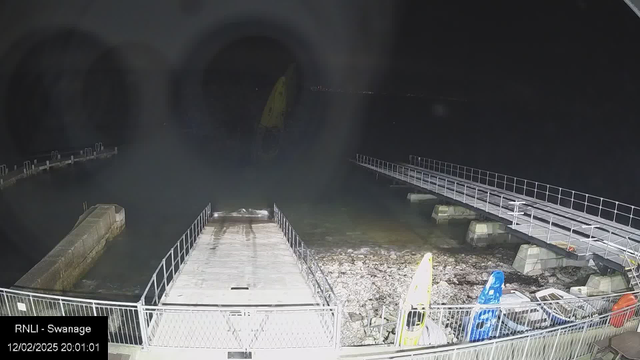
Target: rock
x=376 y=321
x=355 y=317
x=548 y=272
x=369 y=341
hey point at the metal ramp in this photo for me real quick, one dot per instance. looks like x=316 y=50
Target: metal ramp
x=239 y=284
x=240 y=263
x=574 y=234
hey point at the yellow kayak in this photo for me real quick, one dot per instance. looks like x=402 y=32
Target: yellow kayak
x=416 y=304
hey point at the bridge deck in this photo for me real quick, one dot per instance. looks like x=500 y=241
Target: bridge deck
x=575 y=216
x=247 y=291
x=240 y=263
x=562 y=220
x=541 y=222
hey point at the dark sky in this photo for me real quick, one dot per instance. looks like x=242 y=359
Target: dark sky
x=549 y=47
x=551 y=87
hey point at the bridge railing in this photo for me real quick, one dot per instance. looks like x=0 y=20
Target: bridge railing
x=44 y=161
x=124 y=318
x=569 y=341
x=611 y=210
x=171 y=264
x=307 y=263
x=538 y=224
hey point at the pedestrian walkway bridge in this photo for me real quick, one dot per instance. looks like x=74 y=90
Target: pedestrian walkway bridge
x=574 y=224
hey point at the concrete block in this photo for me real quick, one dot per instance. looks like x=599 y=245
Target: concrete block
x=77 y=252
x=608 y=283
x=413 y=197
x=532 y=260
x=482 y=233
x=443 y=213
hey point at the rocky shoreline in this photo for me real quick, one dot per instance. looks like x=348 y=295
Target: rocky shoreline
x=369 y=281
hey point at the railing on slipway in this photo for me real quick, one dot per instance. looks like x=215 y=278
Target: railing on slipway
x=240 y=328
x=171 y=264
x=307 y=263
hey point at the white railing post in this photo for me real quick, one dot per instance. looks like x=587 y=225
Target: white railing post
x=475 y=198
x=464 y=197
x=526 y=347
x=173 y=263
x=155 y=287
x=531 y=222
x=493 y=349
x=32 y=306
x=143 y=325
x=581 y=338
x=555 y=344
x=488 y=196
x=600 y=208
x=164 y=269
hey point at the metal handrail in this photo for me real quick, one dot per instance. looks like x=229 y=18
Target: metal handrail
x=632 y=247
x=124 y=323
x=441 y=352
x=547 y=302
x=66 y=298
x=539 y=190
x=319 y=280
x=316 y=276
x=205 y=308
x=604 y=227
x=482 y=199
x=178 y=255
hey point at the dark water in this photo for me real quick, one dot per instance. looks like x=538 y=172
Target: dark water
x=163 y=187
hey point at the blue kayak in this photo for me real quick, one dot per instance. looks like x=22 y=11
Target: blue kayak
x=483 y=321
